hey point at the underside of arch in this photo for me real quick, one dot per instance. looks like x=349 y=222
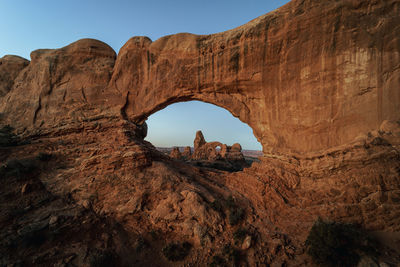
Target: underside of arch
x=302 y=89
x=292 y=87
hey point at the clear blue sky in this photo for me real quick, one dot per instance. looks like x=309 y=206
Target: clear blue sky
x=33 y=24
x=173 y=126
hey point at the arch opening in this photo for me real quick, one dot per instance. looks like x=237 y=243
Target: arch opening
x=227 y=143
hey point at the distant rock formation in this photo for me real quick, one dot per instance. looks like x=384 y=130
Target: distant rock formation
x=234 y=153
x=199 y=140
x=175 y=153
x=212 y=151
x=187 y=152
x=302 y=88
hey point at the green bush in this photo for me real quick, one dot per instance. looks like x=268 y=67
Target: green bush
x=236 y=214
x=176 y=251
x=217 y=206
x=7 y=138
x=34 y=238
x=154 y=235
x=42 y=156
x=230 y=202
x=229 y=257
x=18 y=167
x=239 y=235
x=101 y=258
x=6 y=129
x=232 y=254
x=218 y=261
x=337 y=244
x=140 y=244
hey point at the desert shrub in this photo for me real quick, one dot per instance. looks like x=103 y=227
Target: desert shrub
x=230 y=202
x=176 y=251
x=154 y=235
x=42 y=156
x=239 y=235
x=18 y=167
x=218 y=261
x=140 y=244
x=33 y=239
x=236 y=213
x=100 y=258
x=6 y=129
x=232 y=254
x=7 y=138
x=217 y=206
x=337 y=244
x=379 y=141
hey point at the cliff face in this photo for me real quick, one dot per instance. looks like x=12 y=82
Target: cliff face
x=307 y=77
x=10 y=67
x=318 y=82
x=310 y=76
x=60 y=87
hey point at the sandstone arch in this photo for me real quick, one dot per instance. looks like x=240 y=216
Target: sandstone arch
x=178 y=88
x=302 y=88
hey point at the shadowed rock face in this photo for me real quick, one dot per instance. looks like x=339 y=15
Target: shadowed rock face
x=307 y=77
x=10 y=67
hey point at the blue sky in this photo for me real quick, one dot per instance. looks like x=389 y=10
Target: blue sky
x=29 y=25
x=172 y=126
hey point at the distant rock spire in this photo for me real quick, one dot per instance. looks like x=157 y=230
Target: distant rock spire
x=199 y=141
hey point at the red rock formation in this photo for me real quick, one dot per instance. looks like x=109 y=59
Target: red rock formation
x=199 y=140
x=234 y=153
x=175 y=153
x=66 y=86
x=209 y=150
x=318 y=82
x=187 y=152
x=304 y=77
x=10 y=67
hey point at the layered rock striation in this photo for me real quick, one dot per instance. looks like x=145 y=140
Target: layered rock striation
x=10 y=67
x=307 y=77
